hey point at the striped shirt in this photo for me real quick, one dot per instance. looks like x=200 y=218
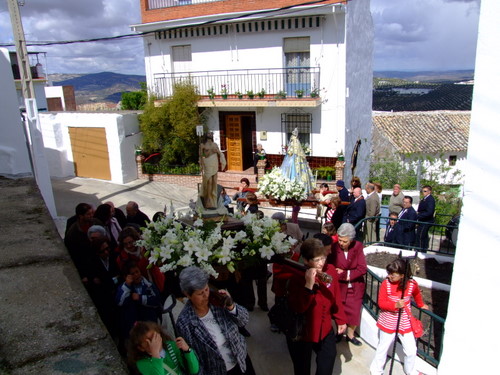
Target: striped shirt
x=387 y=298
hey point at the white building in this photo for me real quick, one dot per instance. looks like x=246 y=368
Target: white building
x=318 y=55
x=437 y=138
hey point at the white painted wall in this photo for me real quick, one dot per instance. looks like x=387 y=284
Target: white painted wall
x=122 y=134
x=14 y=157
x=441 y=170
x=471 y=344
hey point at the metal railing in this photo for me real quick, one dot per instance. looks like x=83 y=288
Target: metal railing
x=437 y=236
x=429 y=346
x=277 y=82
x=158 y=4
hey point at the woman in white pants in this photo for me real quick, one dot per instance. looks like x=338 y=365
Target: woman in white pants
x=390 y=301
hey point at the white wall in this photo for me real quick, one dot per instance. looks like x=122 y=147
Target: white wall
x=14 y=158
x=121 y=134
x=440 y=169
x=471 y=344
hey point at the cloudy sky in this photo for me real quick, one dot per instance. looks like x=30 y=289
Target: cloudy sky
x=409 y=34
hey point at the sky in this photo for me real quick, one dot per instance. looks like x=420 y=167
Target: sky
x=410 y=35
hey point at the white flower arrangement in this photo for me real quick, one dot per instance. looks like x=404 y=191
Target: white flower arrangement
x=276 y=185
x=172 y=245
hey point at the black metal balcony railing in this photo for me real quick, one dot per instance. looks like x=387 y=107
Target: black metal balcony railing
x=287 y=82
x=429 y=346
x=158 y=4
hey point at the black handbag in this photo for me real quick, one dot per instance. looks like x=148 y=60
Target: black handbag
x=289 y=322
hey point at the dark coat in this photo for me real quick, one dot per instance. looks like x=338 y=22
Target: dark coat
x=426 y=208
x=405 y=231
x=355 y=212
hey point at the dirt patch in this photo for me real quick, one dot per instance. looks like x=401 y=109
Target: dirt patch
x=430 y=269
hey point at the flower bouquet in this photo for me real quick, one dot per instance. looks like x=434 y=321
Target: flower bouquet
x=277 y=186
x=173 y=245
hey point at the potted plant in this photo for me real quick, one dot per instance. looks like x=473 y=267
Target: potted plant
x=261 y=94
x=299 y=93
x=340 y=155
x=281 y=95
x=314 y=93
x=250 y=94
x=211 y=93
x=239 y=95
x=223 y=92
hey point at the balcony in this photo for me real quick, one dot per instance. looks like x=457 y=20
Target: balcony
x=247 y=84
x=159 y=4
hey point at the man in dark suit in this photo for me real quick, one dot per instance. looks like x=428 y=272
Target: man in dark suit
x=356 y=212
x=425 y=213
x=390 y=230
x=405 y=230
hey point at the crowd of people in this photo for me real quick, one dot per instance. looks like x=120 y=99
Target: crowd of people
x=352 y=206
x=210 y=332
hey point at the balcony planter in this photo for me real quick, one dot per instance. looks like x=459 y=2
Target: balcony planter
x=224 y=96
x=239 y=95
x=261 y=94
x=299 y=93
x=281 y=95
x=250 y=94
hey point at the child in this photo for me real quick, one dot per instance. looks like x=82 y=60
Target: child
x=137 y=299
x=252 y=203
x=329 y=228
x=226 y=200
x=154 y=352
x=389 y=301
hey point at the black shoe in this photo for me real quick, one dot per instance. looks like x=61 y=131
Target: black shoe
x=338 y=338
x=264 y=307
x=244 y=331
x=354 y=341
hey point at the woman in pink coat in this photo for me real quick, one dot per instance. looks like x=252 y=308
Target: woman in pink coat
x=350 y=263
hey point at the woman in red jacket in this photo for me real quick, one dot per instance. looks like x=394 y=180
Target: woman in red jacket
x=390 y=301
x=349 y=261
x=320 y=303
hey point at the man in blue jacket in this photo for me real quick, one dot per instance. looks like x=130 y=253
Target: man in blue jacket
x=405 y=230
x=356 y=212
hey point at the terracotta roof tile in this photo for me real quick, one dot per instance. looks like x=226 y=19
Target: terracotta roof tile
x=425 y=132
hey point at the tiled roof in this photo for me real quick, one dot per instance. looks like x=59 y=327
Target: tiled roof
x=425 y=132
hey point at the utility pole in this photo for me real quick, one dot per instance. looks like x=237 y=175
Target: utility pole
x=21 y=50
x=33 y=129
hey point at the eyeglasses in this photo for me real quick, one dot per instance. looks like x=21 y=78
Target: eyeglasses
x=319 y=259
x=425 y=191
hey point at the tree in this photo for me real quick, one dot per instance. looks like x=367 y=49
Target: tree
x=171 y=127
x=135 y=100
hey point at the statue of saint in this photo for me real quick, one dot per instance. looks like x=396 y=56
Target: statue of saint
x=210 y=156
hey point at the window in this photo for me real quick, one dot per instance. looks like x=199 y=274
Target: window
x=297 y=63
x=301 y=121
x=452 y=160
x=181 y=58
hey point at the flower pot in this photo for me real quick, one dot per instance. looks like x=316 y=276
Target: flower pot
x=251 y=96
x=224 y=96
x=300 y=96
x=240 y=96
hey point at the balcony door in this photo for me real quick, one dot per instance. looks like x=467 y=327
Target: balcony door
x=297 y=64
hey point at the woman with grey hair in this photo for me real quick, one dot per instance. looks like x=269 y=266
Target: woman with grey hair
x=349 y=260
x=209 y=323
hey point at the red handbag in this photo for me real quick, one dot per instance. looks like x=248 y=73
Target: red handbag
x=416 y=325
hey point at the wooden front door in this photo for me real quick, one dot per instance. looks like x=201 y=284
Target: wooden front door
x=90 y=152
x=234 y=143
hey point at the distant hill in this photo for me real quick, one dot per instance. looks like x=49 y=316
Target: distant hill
x=99 y=87
x=428 y=76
